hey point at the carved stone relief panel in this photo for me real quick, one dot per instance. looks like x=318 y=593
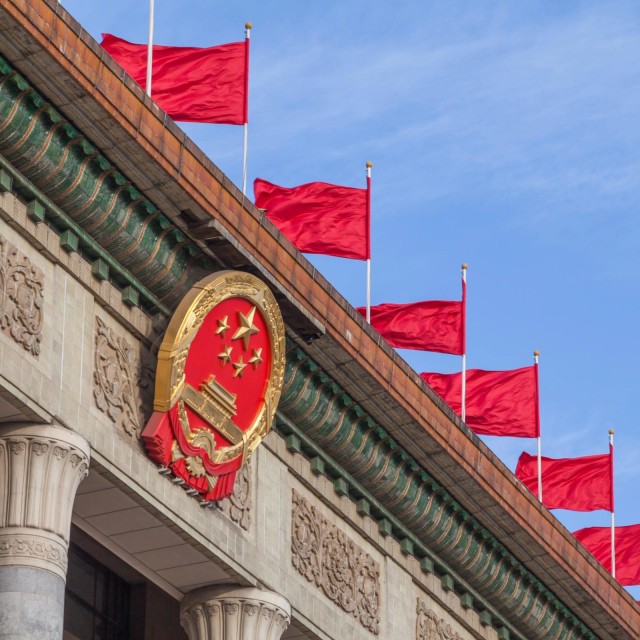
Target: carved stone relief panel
x=21 y=297
x=326 y=556
x=237 y=507
x=122 y=379
x=430 y=627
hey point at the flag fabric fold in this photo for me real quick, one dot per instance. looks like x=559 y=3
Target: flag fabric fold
x=318 y=217
x=498 y=403
x=577 y=484
x=433 y=325
x=597 y=540
x=191 y=84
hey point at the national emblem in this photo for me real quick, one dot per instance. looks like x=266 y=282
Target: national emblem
x=209 y=418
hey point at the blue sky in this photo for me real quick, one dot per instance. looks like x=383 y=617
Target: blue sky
x=503 y=134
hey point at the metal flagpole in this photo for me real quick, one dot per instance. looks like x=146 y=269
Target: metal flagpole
x=369 y=165
x=368 y=289
x=150 y=49
x=463 y=414
x=536 y=355
x=613 y=528
x=247 y=38
x=244 y=159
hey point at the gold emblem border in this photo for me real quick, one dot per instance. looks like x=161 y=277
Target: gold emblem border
x=182 y=330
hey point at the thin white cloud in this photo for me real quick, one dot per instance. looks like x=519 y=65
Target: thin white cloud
x=530 y=107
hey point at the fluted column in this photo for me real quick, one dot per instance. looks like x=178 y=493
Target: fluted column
x=41 y=467
x=229 y=612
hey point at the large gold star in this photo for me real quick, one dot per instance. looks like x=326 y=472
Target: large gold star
x=239 y=368
x=223 y=325
x=225 y=355
x=246 y=327
x=256 y=357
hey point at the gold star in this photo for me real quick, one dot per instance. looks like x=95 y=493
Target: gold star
x=256 y=357
x=246 y=327
x=225 y=355
x=239 y=368
x=223 y=325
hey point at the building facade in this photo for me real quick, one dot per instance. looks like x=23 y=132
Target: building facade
x=369 y=511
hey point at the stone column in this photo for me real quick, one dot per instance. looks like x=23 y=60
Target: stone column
x=229 y=612
x=41 y=467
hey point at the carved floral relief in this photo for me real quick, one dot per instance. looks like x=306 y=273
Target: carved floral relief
x=27 y=546
x=430 y=627
x=121 y=380
x=21 y=297
x=326 y=556
x=237 y=507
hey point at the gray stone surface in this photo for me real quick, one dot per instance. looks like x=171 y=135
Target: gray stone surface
x=31 y=604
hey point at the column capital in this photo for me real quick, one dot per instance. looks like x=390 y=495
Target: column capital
x=230 y=612
x=41 y=467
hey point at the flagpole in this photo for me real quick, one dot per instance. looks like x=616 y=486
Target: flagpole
x=245 y=147
x=463 y=414
x=613 y=528
x=368 y=166
x=247 y=38
x=536 y=355
x=150 y=48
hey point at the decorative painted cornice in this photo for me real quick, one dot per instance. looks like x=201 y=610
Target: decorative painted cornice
x=101 y=203
x=324 y=413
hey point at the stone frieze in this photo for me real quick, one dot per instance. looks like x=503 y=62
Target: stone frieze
x=21 y=298
x=327 y=557
x=237 y=507
x=119 y=379
x=430 y=627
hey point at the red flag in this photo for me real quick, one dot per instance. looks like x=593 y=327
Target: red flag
x=318 y=217
x=598 y=541
x=191 y=84
x=433 y=325
x=499 y=403
x=578 y=484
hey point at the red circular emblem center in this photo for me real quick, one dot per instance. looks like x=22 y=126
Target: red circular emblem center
x=233 y=346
